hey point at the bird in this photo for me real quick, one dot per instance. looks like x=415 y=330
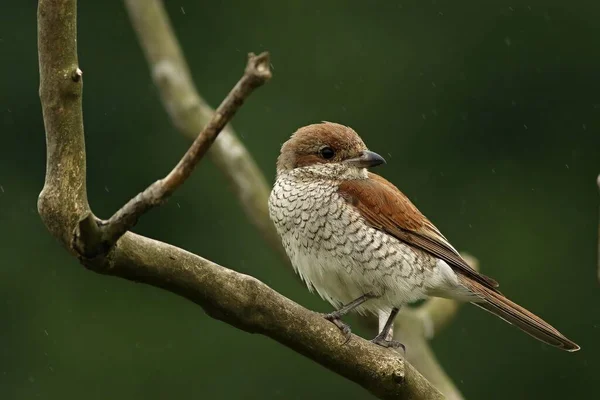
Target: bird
x=357 y=241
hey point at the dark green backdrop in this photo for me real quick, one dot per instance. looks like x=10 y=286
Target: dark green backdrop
x=487 y=111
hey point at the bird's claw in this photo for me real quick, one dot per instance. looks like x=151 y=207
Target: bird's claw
x=344 y=328
x=383 y=342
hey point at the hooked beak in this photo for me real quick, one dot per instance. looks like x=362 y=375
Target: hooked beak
x=367 y=159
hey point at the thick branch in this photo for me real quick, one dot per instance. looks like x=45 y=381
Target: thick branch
x=234 y=298
x=63 y=197
x=250 y=305
x=189 y=112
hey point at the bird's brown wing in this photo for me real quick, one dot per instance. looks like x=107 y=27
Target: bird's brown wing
x=384 y=207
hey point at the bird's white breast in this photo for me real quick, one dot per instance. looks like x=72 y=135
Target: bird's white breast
x=339 y=256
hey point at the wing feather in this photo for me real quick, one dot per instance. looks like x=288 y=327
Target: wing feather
x=384 y=207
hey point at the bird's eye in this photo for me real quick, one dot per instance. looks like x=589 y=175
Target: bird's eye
x=327 y=153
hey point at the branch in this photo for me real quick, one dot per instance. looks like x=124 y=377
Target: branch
x=234 y=298
x=189 y=112
x=598 y=183
x=250 y=305
x=63 y=199
x=256 y=74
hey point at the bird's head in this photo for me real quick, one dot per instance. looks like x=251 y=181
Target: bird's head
x=328 y=149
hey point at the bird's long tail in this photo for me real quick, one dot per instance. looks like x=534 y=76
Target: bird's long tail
x=514 y=314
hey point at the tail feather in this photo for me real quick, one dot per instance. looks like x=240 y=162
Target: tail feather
x=514 y=314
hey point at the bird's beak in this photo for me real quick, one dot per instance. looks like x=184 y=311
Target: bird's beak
x=367 y=159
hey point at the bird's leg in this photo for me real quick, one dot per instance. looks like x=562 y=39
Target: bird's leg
x=349 y=307
x=382 y=338
x=335 y=317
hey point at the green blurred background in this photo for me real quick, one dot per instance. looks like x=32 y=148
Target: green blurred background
x=487 y=111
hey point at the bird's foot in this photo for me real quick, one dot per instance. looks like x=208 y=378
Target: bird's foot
x=334 y=318
x=383 y=342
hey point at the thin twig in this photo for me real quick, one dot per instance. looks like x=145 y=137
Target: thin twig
x=234 y=298
x=256 y=74
x=189 y=112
